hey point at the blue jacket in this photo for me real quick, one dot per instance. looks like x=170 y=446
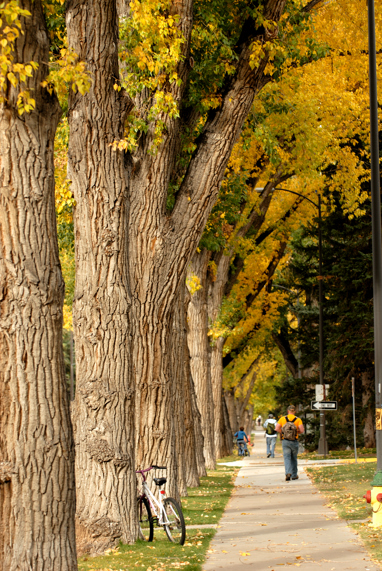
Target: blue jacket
x=240 y=434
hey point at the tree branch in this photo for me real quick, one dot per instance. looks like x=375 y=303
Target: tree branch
x=249 y=391
x=272 y=266
x=287 y=353
x=312 y=4
x=271 y=229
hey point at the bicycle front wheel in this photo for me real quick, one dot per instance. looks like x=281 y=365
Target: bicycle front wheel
x=176 y=528
x=146 y=524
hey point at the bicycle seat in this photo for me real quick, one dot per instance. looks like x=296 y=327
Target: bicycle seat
x=160 y=481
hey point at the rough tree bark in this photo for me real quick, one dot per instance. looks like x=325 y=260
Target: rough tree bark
x=199 y=352
x=199 y=439
x=229 y=397
x=179 y=382
x=103 y=412
x=196 y=419
x=37 y=490
x=216 y=368
x=193 y=441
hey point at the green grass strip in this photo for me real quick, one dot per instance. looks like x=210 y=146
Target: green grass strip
x=344 y=487
x=204 y=505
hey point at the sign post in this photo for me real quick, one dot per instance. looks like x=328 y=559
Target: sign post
x=355 y=434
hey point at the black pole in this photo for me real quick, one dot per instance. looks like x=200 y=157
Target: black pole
x=322 y=444
x=376 y=234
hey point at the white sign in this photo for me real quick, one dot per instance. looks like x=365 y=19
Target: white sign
x=324 y=405
x=322 y=392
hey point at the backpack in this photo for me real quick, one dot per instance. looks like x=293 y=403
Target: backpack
x=289 y=430
x=270 y=430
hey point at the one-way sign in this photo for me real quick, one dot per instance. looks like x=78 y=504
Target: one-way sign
x=323 y=405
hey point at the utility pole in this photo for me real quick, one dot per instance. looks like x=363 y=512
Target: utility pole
x=376 y=238
x=322 y=443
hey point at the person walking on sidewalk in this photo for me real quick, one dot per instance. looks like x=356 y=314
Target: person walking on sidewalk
x=290 y=426
x=270 y=435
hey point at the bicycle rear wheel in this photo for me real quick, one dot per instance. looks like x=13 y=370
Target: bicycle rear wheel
x=176 y=530
x=146 y=524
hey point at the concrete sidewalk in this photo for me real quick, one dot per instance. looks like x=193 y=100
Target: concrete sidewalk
x=269 y=523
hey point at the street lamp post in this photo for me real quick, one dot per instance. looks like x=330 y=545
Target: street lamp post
x=322 y=444
x=376 y=238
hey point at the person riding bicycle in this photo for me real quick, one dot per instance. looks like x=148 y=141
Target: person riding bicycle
x=242 y=438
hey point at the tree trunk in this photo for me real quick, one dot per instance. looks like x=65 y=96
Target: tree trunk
x=216 y=360
x=103 y=413
x=249 y=420
x=196 y=419
x=231 y=408
x=37 y=490
x=227 y=434
x=179 y=382
x=215 y=293
x=199 y=353
x=199 y=439
x=192 y=420
x=367 y=380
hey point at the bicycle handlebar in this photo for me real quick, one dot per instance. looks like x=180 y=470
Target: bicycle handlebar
x=151 y=467
x=146 y=470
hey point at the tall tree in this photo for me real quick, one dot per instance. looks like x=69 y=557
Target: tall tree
x=103 y=412
x=37 y=491
x=148 y=207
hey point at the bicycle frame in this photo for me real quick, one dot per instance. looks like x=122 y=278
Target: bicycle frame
x=156 y=506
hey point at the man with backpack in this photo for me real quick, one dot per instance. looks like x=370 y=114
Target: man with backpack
x=270 y=435
x=290 y=426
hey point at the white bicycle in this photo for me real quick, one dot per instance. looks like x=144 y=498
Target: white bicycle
x=164 y=512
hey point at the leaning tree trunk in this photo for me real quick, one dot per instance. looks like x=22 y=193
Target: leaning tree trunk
x=37 y=491
x=103 y=412
x=199 y=352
